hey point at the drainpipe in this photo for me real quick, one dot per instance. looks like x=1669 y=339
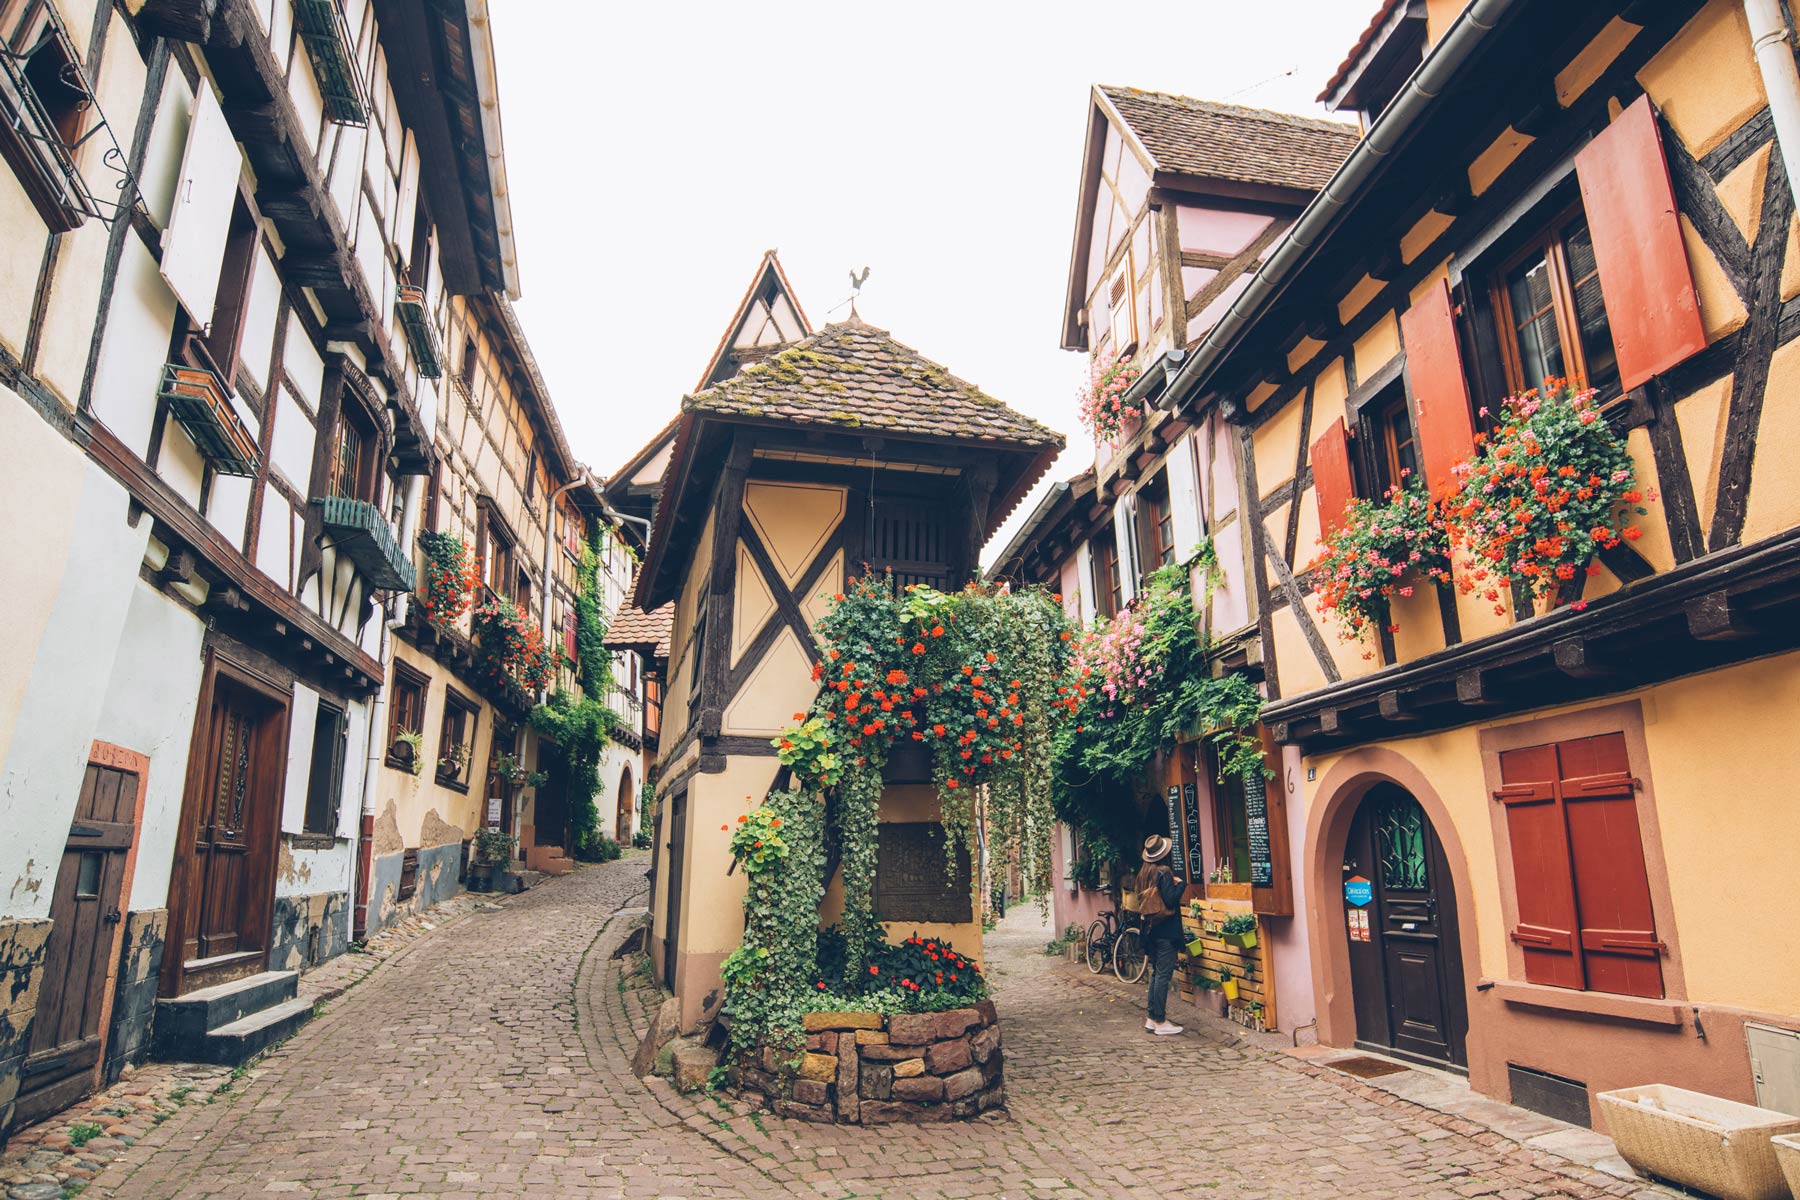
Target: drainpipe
x=1775 y=59
x=393 y=615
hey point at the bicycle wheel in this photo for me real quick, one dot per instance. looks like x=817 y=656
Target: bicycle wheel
x=1128 y=957
x=1098 y=947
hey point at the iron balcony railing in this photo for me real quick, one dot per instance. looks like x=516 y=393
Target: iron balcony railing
x=328 y=44
x=415 y=323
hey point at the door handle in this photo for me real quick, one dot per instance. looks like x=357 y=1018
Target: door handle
x=114 y=917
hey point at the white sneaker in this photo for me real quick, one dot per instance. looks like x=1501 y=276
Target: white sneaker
x=1149 y=1025
x=1165 y=1029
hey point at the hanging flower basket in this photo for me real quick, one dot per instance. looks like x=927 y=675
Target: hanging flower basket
x=450 y=579
x=1104 y=410
x=512 y=646
x=1381 y=551
x=1541 y=498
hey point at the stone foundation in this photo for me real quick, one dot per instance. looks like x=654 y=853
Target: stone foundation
x=867 y=1069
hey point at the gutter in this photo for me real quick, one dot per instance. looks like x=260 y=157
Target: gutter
x=487 y=89
x=1389 y=133
x=1157 y=379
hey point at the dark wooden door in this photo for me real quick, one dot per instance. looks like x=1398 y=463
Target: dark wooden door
x=1405 y=957
x=67 y=1034
x=677 y=862
x=550 y=803
x=229 y=882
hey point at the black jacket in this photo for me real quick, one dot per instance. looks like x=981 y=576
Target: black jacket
x=1168 y=929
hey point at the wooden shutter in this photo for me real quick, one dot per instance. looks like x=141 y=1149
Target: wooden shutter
x=200 y=217
x=1184 y=497
x=1333 y=486
x=1124 y=542
x=1434 y=368
x=1540 y=854
x=571 y=622
x=1606 y=852
x=1644 y=276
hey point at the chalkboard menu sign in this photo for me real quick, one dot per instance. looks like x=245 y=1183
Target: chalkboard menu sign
x=1196 y=852
x=1177 y=855
x=1256 y=808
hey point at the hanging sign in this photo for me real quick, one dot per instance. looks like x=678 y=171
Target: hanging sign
x=1256 y=812
x=1358 y=891
x=493 y=813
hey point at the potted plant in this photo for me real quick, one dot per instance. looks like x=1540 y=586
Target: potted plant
x=1102 y=398
x=1239 y=930
x=409 y=748
x=493 y=854
x=1228 y=984
x=451 y=762
x=1376 y=555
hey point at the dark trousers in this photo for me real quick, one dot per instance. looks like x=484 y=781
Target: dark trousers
x=1162 y=969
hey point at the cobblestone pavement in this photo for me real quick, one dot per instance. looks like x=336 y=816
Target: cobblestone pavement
x=490 y=1056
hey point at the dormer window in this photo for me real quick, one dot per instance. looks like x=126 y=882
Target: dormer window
x=1388 y=54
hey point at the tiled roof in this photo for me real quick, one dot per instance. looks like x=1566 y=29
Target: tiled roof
x=633 y=628
x=1226 y=141
x=1382 y=13
x=852 y=376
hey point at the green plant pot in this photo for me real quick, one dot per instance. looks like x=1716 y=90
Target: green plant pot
x=1243 y=941
x=1195 y=947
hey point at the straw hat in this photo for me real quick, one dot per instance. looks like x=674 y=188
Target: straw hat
x=1156 y=848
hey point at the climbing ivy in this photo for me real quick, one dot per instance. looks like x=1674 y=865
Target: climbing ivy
x=580 y=726
x=780 y=847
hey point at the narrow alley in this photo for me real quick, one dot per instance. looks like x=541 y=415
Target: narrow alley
x=544 y=1104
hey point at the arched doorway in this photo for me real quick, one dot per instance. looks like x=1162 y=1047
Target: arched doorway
x=1406 y=973
x=627 y=808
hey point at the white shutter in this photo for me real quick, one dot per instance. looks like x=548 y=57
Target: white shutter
x=1084 y=568
x=1125 y=536
x=406 y=208
x=200 y=218
x=1184 y=497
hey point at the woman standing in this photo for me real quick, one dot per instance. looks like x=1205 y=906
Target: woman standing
x=1159 y=900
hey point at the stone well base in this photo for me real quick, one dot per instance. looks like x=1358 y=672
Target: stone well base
x=866 y=1069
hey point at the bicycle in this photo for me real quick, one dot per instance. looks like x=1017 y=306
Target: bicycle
x=1100 y=937
x=1128 y=958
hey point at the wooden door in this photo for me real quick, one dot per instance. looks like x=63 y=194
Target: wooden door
x=68 y=1033
x=677 y=855
x=1405 y=957
x=233 y=815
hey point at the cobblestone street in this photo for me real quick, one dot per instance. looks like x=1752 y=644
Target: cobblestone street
x=489 y=1057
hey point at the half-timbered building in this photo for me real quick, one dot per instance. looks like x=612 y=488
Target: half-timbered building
x=1544 y=842
x=841 y=452
x=243 y=237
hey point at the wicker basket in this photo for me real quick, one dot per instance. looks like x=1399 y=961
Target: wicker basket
x=1719 y=1146
x=1787 y=1154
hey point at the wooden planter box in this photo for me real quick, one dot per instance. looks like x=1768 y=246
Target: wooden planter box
x=1718 y=1146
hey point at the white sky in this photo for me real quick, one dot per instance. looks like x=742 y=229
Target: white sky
x=655 y=150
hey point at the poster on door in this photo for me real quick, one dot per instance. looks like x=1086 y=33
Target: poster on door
x=1359 y=924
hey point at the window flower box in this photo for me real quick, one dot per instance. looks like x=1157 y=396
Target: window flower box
x=415 y=323
x=1718 y=1146
x=199 y=401
x=364 y=535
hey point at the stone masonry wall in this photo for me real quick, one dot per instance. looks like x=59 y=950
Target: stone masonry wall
x=869 y=1069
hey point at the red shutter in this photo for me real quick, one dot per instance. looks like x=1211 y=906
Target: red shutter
x=570 y=623
x=1435 y=369
x=1606 y=850
x=1540 y=854
x=1644 y=276
x=1332 y=485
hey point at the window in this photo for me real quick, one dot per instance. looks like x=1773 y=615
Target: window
x=44 y=112
x=1156 y=522
x=232 y=300
x=1231 y=828
x=696 y=655
x=466 y=375
x=1583 y=891
x=1385 y=429
x=456 y=741
x=499 y=560
x=325 y=781
x=418 y=262
x=406 y=714
x=1108 y=598
x=355 y=467
x=1549 y=312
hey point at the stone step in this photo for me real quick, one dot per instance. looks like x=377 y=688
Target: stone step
x=243 y=1039
x=185 y=1019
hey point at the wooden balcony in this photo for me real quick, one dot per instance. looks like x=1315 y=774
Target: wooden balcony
x=360 y=532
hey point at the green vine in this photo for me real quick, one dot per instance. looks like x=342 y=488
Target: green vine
x=780 y=847
x=580 y=726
